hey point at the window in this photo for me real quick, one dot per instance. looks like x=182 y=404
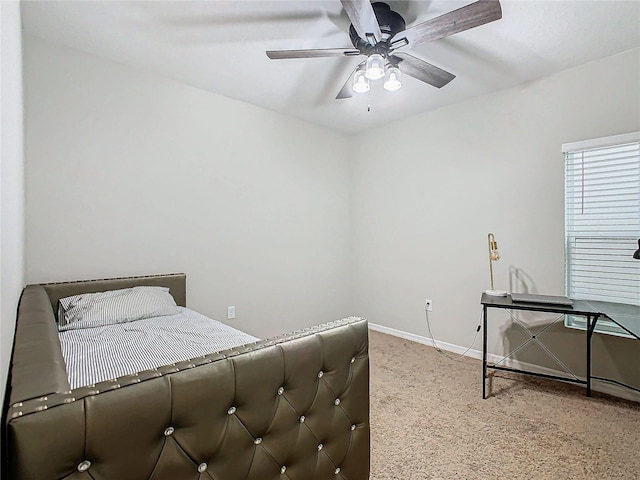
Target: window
x=602 y=223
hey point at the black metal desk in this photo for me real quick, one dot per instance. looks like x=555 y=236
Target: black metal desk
x=626 y=316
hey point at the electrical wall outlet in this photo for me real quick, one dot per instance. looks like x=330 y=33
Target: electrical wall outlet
x=231 y=312
x=428 y=304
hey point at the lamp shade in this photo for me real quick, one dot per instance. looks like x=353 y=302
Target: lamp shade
x=375 y=67
x=360 y=82
x=392 y=80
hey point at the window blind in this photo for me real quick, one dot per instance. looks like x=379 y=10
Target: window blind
x=602 y=223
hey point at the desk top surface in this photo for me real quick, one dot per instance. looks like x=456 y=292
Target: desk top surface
x=579 y=307
x=626 y=316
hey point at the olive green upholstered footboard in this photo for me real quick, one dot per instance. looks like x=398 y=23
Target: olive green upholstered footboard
x=293 y=407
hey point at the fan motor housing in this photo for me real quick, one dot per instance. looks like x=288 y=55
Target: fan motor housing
x=390 y=23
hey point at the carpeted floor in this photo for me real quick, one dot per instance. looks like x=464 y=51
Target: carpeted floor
x=428 y=421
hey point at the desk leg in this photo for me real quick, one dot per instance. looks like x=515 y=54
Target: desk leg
x=589 y=355
x=484 y=352
x=591 y=326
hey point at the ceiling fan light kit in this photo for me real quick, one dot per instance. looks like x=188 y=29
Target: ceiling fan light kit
x=381 y=35
x=391 y=74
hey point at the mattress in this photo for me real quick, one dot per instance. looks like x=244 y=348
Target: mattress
x=102 y=353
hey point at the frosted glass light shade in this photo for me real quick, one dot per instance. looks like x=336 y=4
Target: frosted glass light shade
x=375 y=67
x=360 y=82
x=392 y=80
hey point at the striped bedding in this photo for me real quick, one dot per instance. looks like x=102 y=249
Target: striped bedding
x=101 y=353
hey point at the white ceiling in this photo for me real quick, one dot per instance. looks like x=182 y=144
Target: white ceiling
x=220 y=46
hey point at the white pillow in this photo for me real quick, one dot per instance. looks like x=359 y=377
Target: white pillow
x=115 y=306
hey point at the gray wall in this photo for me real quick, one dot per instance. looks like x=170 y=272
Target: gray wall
x=428 y=190
x=11 y=181
x=129 y=173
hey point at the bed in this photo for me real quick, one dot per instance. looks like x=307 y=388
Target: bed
x=291 y=407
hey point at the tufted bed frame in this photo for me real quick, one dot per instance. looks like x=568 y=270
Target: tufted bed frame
x=292 y=407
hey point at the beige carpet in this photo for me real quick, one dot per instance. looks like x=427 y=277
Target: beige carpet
x=428 y=421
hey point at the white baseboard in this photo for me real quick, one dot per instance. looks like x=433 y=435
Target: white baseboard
x=596 y=385
x=450 y=347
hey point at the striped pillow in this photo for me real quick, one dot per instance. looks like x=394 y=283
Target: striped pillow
x=115 y=306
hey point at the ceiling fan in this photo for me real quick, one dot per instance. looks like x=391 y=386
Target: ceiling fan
x=381 y=35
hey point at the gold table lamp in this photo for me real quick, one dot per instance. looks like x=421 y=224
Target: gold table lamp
x=494 y=256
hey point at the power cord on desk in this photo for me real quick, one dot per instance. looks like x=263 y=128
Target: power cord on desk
x=439 y=350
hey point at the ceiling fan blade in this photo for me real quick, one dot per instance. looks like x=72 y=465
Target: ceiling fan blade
x=416 y=68
x=363 y=18
x=474 y=15
x=347 y=88
x=313 y=53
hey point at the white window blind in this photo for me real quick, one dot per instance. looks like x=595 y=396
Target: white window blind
x=602 y=223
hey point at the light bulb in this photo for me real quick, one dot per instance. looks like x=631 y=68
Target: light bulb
x=392 y=81
x=360 y=82
x=495 y=255
x=375 y=67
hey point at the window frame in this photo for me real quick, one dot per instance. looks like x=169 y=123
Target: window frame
x=572 y=321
